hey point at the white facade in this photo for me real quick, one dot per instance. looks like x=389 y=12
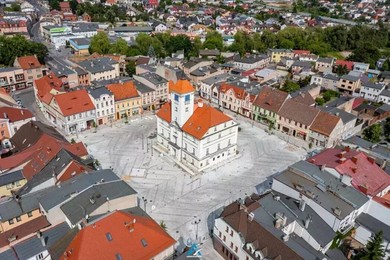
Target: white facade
x=216 y=145
x=384 y=97
x=371 y=93
x=105 y=108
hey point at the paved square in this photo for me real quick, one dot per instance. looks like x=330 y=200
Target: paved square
x=172 y=195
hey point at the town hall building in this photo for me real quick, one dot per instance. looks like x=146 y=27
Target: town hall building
x=197 y=135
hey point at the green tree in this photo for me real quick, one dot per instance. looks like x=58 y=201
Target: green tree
x=130 y=68
x=373 y=133
x=213 y=40
x=196 y=46
x=163 y=225
x=100 y=43
x=374 y=249
x=290 y=86
x=386 y=129
x=15 y=7
x=179 y=42
x=73 y=5
x=119 y=47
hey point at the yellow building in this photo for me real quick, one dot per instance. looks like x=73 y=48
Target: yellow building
x=16 y=221
x=11 y=182
x=278 y=54
x=127 y=100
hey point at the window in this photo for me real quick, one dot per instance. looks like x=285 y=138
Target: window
x=187 y=99
x=220 y=234
x=176 y=98
x=175 y=109
x=11 y=221
x=227 y=229
x=40 y=256
x=18 y=219
x=231 y=232
x=236 y=249
x=224 y=238
x=231 y=245
x=187 y=109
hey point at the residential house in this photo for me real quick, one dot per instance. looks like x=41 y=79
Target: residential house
x=232 y=97
x=67 y=75
x=361 y=67
x=159 y=27
x=326 y=130
x=271 y=227
x=127 y=100
x=148 y=96
x=32 y=68
x=351 y=124
x=371 y=91
x=10 y=182
x=346 y=65
x=80 y=46
x=65 y=7
x=193 y=64
x=156 y=82
x=277 y=54
x=207 y=83
x=12 y=79
x=197 y=137
x=109 y=236
x=45 y=88
x=209 y=54
x=324 y=65
x=384 y=96
x=170 y=73
x=13 y=118
x=104 y=103
x=252 y=62
x=100 y=68
x=267 y=105
x=349 y=84
x=14 y=26
x=83 y=76
x=296 y=118
x=315 y=187
x=204 y=72
x=72 y=112
x=326 y=81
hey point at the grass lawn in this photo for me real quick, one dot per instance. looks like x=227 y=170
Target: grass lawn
x=336 y=55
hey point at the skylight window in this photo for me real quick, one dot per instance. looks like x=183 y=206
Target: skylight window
x=108 y=236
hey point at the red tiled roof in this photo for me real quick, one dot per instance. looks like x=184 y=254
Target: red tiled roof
x=367 y=176
x=270 y=99
x=300 y=52
x=29 y=62
x=182 y=86
x=357 y=102
x=24 y=230
x=45 y=84
x=64 y=5
x=74 y=102
x=15 y=114
x=123 y=91
x=238 y=92
x=111 y=237
x=325 y=123
x=348 y=64
x=73 y=169
x=204 y=118
x=165 y=112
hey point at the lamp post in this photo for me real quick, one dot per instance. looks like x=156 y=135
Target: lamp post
x=196 y=222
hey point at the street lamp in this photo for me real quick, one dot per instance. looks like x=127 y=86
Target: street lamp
x=196 y=222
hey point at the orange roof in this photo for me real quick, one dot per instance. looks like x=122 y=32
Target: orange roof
x=29 y=62
x=182 y=86
x=325 y=123
x=238 y=92
x=117 y=236
x=348 y=64
x=300 y=52
x=74 y=102
x=45 y=84
x=123 y=91
x=15 y=114
x=204 y=118
x=165 y=112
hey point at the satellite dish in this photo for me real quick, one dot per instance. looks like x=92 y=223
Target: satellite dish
x=153 y=207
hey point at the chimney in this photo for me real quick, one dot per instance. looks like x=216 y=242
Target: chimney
x=347 y=149
x=354 y=159
x=337 y=211
x=251 y=216
x=307 y=221
x=22 y=112
x=323 y=167
x=302 y=205
x=371 y=160
x=5 y=115
x=43 y=241
x=130 y=225
x=200 y=103
x=354 y=169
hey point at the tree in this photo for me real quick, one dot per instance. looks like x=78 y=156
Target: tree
x=373 y=133
x=163 y=225
x=290 y=86
x=130 y=68
x=386 y=129
x=374 y=249
x=15 y=7
x=196 y=46
x=73 y=5
x=179 y=42
x=100 y=43
x=213 y=40
x=119 y=47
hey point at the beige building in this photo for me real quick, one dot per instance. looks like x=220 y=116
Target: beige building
x=32 y=68
x=349 y=84
x=12 y=79
x=324 y=64
x=156 y=82
x=102 y=68
x=278 y=54
x=10 y=182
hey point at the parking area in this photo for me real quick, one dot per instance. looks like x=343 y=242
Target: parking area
x=168 y=193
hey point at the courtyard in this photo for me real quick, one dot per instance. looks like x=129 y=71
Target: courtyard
x=187 y=204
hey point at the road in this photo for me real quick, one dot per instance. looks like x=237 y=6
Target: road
x=28 y=101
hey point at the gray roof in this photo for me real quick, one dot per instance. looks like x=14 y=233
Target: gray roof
x=376 y=150
x=385 y=93
x=80 y=71
x=9 y=254
x=98 y=65
x=85 y=27
x=33 y=246
x=81 y=41
x=59 y=69
x=215 y=79
x=250 y=59
x=98 y=92
x=8 y=69
x=142 y=88
x=349 y=77
x=133 y=29
x=153 y=78
x=345 y=116
x=81 y=205
x=318 y=228
x=11 y=177
x=374 y=225
x=331 y=76
x=56 y=195
x=303 y=64
x=325 y=60
x=373 y=85
x=329 y=191
x=337 y=102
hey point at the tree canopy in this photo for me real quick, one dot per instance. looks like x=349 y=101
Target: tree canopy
x=374 y=249
x=12 y=47
x=373 y=133
x=100 y=43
